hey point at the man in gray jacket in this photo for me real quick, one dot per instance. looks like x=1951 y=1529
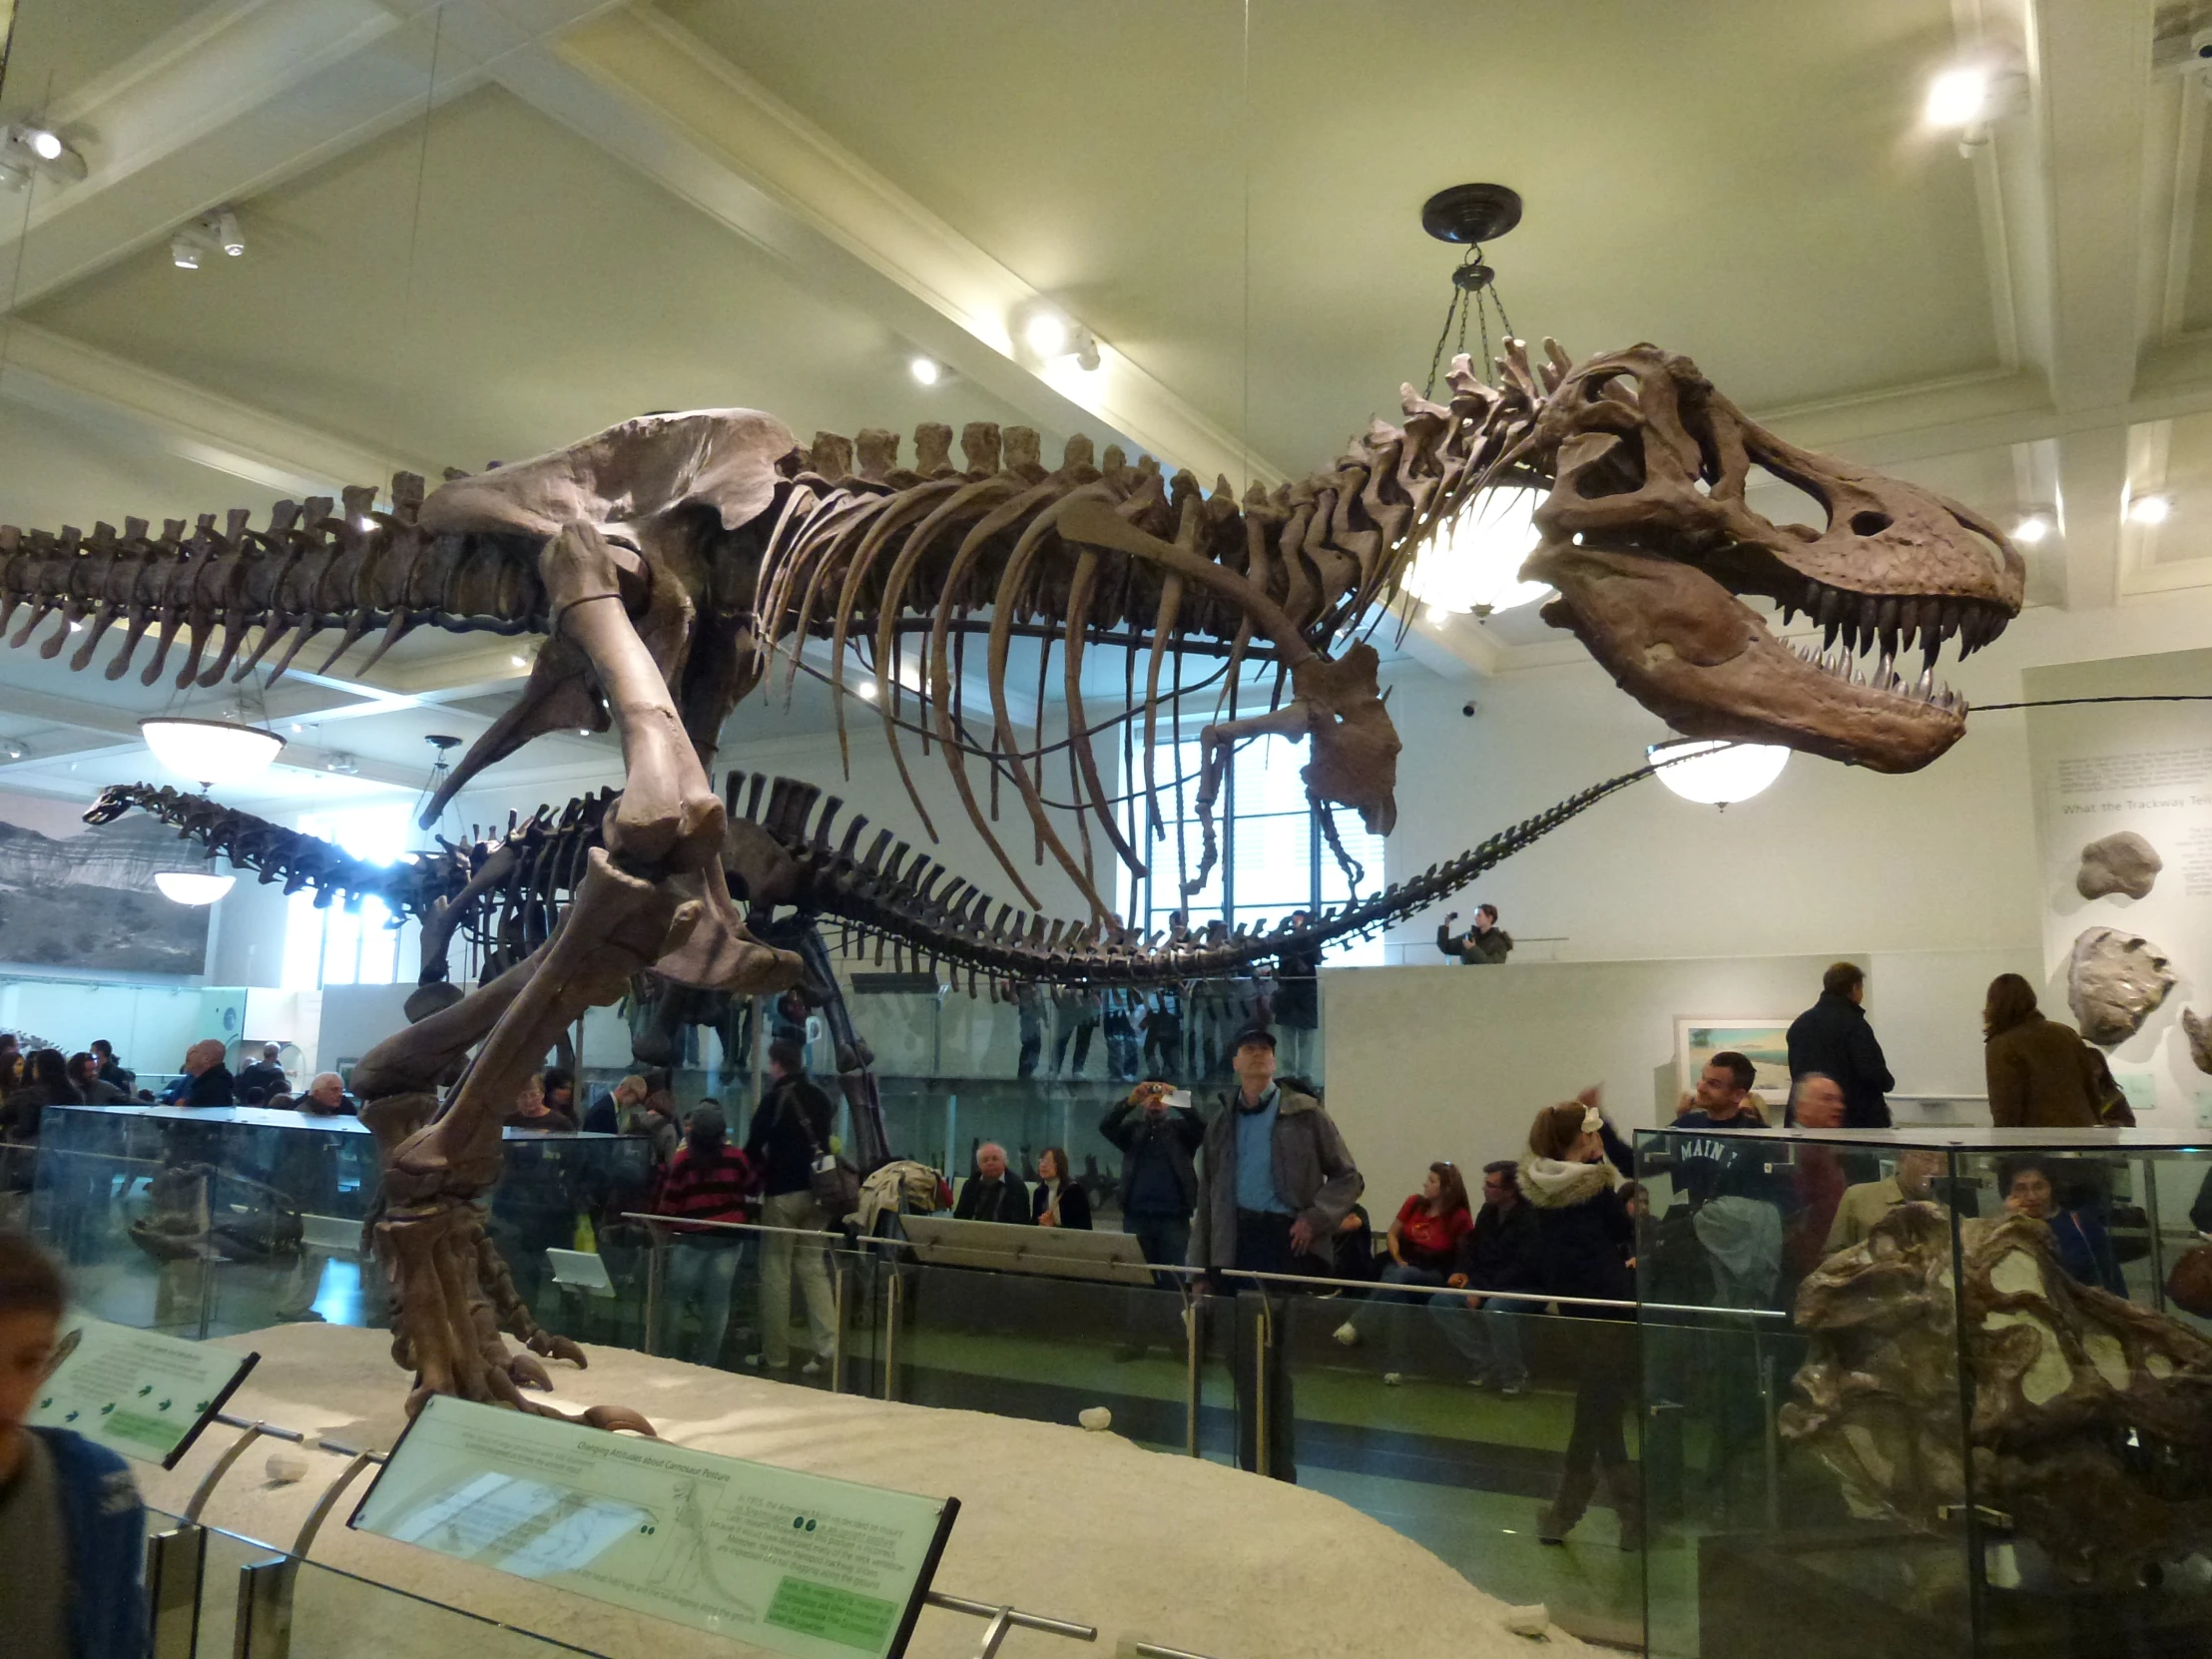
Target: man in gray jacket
x=1275 y=1183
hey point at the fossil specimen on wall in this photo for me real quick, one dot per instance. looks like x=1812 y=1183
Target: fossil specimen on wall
x=2199 y=1033
x=2122 y=862
x=2113 y=982
x=2091 y=1417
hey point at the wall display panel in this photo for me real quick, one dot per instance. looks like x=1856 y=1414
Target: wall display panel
x=2123 y=793
x=82 y=896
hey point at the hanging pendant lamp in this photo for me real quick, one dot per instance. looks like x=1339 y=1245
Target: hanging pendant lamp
x=1471 y=566
x=211 y=750
x=1715 y=773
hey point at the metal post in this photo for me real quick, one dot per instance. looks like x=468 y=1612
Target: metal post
x=263 y=1627
x=176 y=1560
x=837 y=1337
x=1192 y=1339
x=890 y=1333
x=1004 y=1618
x=207 y=1257
x=1000 y=1627
x=2157 y=1243
x=654 y=1245
x=1260 y=1393
x=1774 y=1428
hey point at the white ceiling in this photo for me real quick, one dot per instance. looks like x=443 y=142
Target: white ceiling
x=481 y=229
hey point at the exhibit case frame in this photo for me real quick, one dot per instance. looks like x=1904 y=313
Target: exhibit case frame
x=1973 y=1426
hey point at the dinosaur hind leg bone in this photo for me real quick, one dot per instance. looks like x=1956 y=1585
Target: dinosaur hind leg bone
x=430 y=1239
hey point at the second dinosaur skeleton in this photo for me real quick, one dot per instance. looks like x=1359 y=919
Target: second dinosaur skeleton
x=671 y=561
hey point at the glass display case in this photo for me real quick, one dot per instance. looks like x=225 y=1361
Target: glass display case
x=1926 y=1393
x=221 y=1219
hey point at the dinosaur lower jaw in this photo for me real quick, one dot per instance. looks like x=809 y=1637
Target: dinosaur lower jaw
x=1688 y=650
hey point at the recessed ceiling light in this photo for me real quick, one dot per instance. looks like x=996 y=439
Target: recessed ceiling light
x=925 y=371
x=45 y=144
x=1957 y=97
x=12 y=750
x=2150 y=509
x=519 y=661
x=2032 y=530
x=867 y=689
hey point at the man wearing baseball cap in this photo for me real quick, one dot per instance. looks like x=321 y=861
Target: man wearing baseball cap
x=1275 y=1181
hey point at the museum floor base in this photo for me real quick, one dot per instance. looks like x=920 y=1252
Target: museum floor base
x=1072 y=1524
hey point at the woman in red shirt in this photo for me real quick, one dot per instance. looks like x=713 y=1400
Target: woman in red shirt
x=1424 y=1240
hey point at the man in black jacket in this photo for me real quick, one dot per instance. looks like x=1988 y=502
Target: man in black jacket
x=791 y=1129
x=1833 y=1038
x=994 y=1191
x=264 y=1079
x=1159 y=1142
x=1499 y=1254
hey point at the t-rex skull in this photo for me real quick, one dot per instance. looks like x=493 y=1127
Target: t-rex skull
x=1648 y=539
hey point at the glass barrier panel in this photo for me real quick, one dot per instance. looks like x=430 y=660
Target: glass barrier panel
x=257 y=1604
x=1046 y=1348
x=710 y=1291
x=1804 y=1452
x=1473 y=1429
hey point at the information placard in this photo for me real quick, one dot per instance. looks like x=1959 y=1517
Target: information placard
x=138 y=1392
x=810 y=1566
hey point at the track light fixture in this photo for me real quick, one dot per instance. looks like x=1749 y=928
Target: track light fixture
x=216 y=231
x=1046 y=334
x=28 y=149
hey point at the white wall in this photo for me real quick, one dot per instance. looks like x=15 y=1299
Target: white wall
x=1454 y=1062
x=1829 y=860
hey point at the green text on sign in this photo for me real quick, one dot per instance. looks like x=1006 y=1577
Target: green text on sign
x=834 y=1614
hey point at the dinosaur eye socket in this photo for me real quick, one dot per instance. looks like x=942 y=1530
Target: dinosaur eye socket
x=1869 y=523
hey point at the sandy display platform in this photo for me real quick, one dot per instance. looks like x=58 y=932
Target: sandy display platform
x=1055 y=1519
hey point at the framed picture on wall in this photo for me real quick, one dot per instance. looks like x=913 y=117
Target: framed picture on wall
x=1764 y=1042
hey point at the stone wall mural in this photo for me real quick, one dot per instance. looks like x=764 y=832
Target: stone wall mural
x=78 y=897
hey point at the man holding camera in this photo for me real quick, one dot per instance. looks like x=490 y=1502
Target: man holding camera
x=1484 y=943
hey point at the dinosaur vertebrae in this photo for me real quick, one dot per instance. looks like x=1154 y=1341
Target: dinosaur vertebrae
x=1321 y=547
x=867 y=539
x=888 y=894
x=309 y=571
x=520 y=879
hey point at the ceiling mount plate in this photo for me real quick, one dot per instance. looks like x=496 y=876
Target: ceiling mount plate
x=1472 y=213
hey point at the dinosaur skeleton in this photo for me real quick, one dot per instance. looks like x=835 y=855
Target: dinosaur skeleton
x=672 y=560
x=783 y=861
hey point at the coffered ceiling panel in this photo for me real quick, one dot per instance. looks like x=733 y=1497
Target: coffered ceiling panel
x=1740 y=180
x=532 y=291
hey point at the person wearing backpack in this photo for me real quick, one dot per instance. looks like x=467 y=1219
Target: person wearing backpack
x=790 y=1134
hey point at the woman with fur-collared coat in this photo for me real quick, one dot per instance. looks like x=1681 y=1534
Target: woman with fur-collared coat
x=1585 y=1247
x=2041 y=1074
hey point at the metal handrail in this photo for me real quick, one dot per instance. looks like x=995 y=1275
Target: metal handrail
x=1305 y=1280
